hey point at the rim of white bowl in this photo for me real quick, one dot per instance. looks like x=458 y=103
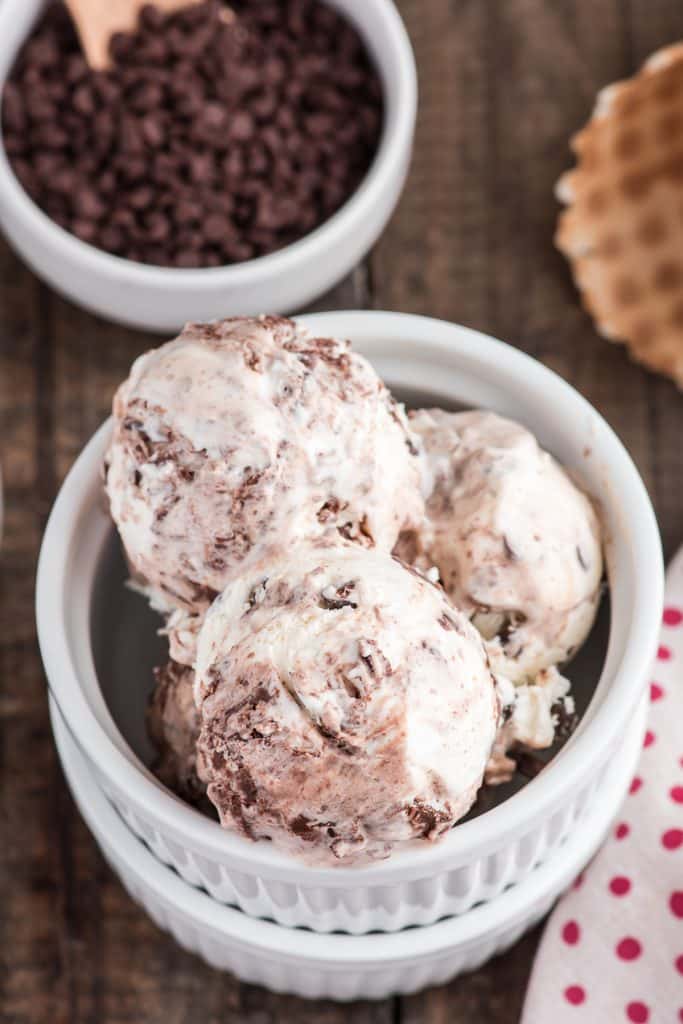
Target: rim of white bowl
x=400 y=112
x=468 y=839
x=338 y=948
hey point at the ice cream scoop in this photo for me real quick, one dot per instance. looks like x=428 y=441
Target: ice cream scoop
x=346 y=707
x=517 y=543
x=240 y=438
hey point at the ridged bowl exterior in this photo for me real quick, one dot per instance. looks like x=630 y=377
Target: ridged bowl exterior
x=481 y=858
x=341 y=967
x=365 y=908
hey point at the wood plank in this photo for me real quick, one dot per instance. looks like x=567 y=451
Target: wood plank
x=433 y=257
x=652 y=24
x=492 y=994
x=32 y=983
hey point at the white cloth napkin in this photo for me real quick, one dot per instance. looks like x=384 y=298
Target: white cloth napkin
x=612 y=951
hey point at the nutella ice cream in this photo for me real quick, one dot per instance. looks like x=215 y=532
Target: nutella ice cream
x=244 y=436
x=516 y=542
x=346 y=707
x=321 y=693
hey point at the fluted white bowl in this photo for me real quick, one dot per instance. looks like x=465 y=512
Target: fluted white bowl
x=340 y=966
x=93 y=644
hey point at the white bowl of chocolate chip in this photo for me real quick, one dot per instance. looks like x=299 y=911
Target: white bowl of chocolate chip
x=192 y=206
x=99 y=647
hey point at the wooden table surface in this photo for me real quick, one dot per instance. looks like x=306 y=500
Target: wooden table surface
x=502 y=87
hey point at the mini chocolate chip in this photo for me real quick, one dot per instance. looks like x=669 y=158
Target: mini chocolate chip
x=216 y=226
x=113 y=239
x=140 y=198
x=106 y=87
x=123 y=218
x=214 y=116
x=120 y=46
x=13 y=108
x=153 y=131
x=75 y=69
x=151 y=18
x=274 y=70
x=131 y=170
x=15 y=146
x=86 y=230
x=84 y=100
x=242 y=127
x=264 y=105
x=39 y=107
x=237 y=251
x=233 y=164
x=107 y=183
x=258 y=158
x=87 y=204
x=187 y=211
x=48 y=164
x=188 y=258
x=200 y=168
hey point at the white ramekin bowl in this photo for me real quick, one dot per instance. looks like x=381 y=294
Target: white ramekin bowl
x=340 y=966
x=162 y=299
x=435 y=362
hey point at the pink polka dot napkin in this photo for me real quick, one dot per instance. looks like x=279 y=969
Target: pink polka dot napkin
x=612 y=952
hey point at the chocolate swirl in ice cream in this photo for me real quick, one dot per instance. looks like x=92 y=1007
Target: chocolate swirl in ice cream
x=173 y=726
x=346 y=706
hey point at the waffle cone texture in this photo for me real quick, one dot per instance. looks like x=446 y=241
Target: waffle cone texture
x=622 y=228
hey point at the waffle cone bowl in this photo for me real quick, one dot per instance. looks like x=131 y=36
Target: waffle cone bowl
x=622 y=229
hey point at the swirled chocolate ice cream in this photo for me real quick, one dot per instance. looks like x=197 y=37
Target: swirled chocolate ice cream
x=240 y=438
x=516 y=542
x=346 y=707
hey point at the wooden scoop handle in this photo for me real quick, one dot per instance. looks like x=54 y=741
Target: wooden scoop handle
x=97 y=20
